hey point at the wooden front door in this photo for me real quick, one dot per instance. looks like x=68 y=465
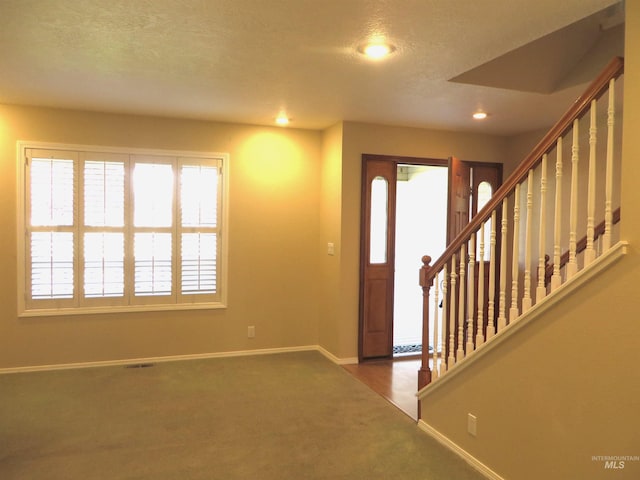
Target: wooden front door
x=377 y=258
x=468 y=183
x=485 y=180
x=377 y=248
x=459 y=195
x=465 y=180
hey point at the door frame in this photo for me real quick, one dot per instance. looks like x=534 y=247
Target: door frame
x=364 y=232
x=364 y=237
x=471 y=174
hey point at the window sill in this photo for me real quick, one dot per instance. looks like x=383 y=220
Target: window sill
x=59 y=312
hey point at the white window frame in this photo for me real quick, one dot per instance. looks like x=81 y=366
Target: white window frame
x=176 y=301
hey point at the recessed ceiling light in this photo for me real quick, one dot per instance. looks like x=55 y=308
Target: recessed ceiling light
x=282 y=120
x=480 y=115
x=376 y=50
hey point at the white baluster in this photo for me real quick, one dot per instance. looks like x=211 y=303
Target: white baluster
x=452 y=315
x=436 y=294
x=555 y=278
x=572 y=265
x=589 y=252
x=470 y=294
x=526 y=298
x=479 y=333
x=491 y=328
x=513 y=311
x=461 y=288
x=502 y=300
x=541 y=291
x=608 y=209
x=445 y=280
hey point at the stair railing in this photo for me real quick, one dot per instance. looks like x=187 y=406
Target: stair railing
x=481 y=286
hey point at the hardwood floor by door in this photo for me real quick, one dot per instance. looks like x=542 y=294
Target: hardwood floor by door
x=396 y=380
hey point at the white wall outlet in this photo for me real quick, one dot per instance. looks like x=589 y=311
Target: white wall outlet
x=251 y=331
x=472 y=424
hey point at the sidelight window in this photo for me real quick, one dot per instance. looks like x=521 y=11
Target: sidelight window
x=379 y=220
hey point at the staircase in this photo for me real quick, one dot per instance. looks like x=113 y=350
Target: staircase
x=524 y=379
x=551 y=227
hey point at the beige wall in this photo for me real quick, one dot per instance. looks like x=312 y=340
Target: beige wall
x=566 y=387
x=631 y=126
x=273 y=238
x=560 y=391
x=518 y=147
x=291 y=192
x=330 y=215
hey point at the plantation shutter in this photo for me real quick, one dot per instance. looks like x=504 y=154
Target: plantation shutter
x=113 y=229
x=153 y=190
x=50 y=226
x=103 y=233
x=199 y=202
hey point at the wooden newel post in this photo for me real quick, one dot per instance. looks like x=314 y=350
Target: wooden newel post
x=426 y=280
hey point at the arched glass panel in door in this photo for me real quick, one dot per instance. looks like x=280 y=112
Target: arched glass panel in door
x=485 y=191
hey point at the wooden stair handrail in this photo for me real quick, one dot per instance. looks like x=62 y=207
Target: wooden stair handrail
x=596 y=89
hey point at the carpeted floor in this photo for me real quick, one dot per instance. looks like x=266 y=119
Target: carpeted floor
x=283 y=416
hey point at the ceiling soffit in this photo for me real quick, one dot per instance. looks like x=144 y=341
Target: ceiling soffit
x=565 y=58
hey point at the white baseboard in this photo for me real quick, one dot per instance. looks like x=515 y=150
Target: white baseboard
x=336 y=360
x=174 y=358
x=455 y=448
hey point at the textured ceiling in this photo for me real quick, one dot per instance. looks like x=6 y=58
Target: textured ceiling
x=245 y=60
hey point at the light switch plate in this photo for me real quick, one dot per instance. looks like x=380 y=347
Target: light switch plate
x=472 y=424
